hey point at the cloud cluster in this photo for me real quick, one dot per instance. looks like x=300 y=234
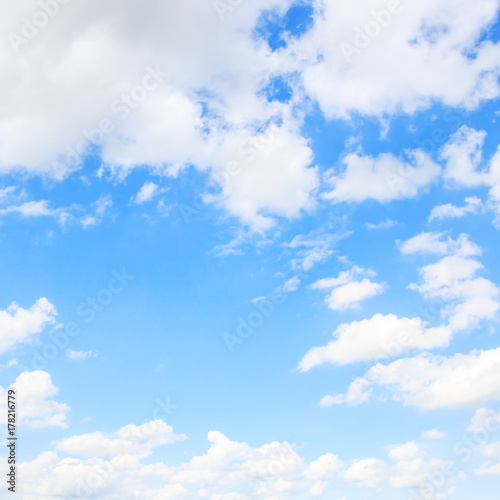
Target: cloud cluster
x=185 y=87
x=426 y=380
x=100 y=466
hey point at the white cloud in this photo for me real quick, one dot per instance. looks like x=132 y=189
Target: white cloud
x=347 y=292
x=367 y=473
x=156 y=111
x=153 y=110
x=433 y=434
x=314 y=248
x=473 y=205
x=324 y=467
x=38 y=209
x=160 y=124
x=101 y=207
x=466 y=298
x=350 y=295
x=463 y=156
x=264 y=174
x=63 y=215
x=406 y=452
x=465 y=166
x=386 y=224
x=420 y=57
x=291 y=285
x=484 y=419
x=5 y=193
x=80 y=355
x=22 y=326
x=384 y=179
x=147 y=192
x=431 y=382
x=377 y=338
x=129 y=440
x=100 y=465
x=432 y=243
x=33 y=390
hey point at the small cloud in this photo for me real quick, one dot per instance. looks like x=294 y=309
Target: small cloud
x=163 y=208
x=10 y=364
x=160 y=368
x=80 y=355
x=386 y=224
x=258 y=299
x=147 y=192
x=291 y=285
x=101 y=207
x=433 y=434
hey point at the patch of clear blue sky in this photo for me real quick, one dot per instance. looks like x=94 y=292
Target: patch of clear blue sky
x=184 y=298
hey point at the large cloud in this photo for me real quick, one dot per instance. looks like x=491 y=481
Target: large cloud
x=424 y=51
x=229 y=470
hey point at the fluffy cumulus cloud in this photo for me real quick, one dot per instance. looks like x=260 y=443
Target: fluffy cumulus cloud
x=466 y=299
x=376 y=58
x=107 y=466
x=147 y=192
x=130 y=440
x=473 y=205
x=430 y=382
x=138 y=104
x=34 y=390
x=137 y=100
x=376 y=338
x=433 y=243
x=22 y=326
x=467 y=167
x=384 y=178
x=347 y=291
x=264 y=174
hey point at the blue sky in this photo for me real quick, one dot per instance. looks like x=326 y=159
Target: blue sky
x=271 y=272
